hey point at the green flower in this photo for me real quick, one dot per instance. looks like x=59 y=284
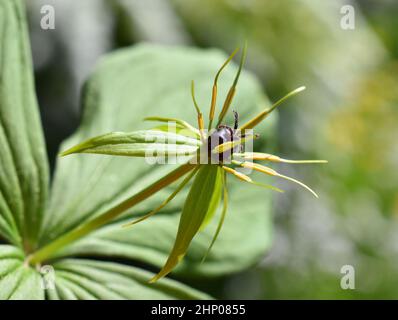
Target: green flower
x=208 y=157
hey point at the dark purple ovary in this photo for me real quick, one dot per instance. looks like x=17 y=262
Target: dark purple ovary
x=222 y=135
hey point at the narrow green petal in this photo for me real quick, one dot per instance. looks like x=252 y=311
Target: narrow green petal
x=214 y=91
x=267 y=186
x=176 y=129
x=272 y=172
x=246 y=178
x=214 y=204
x=197 y=205
x=137 y=144
x=232 y=90
x=171 y=197
x=264 y=114
x=180 y=122
x=299 y=183
x=222 y=218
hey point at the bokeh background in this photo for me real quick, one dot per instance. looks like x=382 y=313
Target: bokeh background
x=348 y=115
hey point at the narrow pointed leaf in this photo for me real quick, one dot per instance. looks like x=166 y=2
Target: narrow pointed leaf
x=215 y=202
x=222 y=216
x=179 y=122
x=264 y=114
x=176 y=129
x=200 y=201
x=137 y=144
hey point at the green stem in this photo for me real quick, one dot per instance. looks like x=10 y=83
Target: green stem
x=48 y=250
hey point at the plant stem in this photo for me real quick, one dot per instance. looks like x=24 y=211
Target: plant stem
x=48 y=250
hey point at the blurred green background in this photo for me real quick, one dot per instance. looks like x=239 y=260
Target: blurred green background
x=348 y=115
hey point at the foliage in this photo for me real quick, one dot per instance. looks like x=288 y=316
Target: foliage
x=127 y=86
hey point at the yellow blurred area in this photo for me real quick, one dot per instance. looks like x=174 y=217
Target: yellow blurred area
x=366 y=127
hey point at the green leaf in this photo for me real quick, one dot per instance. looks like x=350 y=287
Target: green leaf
x=87 y=279
x=84 y=279
x=176 y=129
x=216 y=191
x=156 y=81
x=243 y=240
x=23 y=165
x=189 y=129
x=202 y=201
x=17 y=281
x=144 y=143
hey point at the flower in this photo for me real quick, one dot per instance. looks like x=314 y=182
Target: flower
x=210 y=155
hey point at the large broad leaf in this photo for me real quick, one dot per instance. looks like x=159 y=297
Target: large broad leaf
x=87 y=279
x=82 y=279
x=17 y=281
x=128 y=86
x=23 y=162
x=23 y=186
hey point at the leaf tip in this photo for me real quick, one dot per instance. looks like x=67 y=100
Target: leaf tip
x=154 y=279
x=65 y=153
x=299 y=89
